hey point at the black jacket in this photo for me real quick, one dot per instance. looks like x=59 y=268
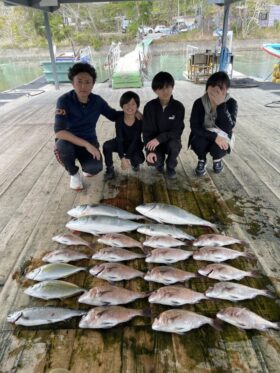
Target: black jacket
x=226 y=119
x=164 y=125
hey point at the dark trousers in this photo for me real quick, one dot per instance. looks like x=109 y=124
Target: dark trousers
x=111 y=146
x=171 y=149
x=67 y=153
x=201 y=146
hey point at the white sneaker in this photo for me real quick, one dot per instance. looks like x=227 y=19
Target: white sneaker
x=76 y=182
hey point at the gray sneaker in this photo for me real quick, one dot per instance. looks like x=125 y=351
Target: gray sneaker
x=218 y=166
x=171 y=173
x=200 y=168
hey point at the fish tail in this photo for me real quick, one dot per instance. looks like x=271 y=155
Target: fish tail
x=145 y=294
x=217 y=324
x=276 y=325
x=268 y=294
x=214 y=227
x=250 y=256
x=254 y=273
x=146 y=250
x=146 y=312
x=244 y=243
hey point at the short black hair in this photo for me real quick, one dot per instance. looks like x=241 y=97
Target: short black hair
x=161 y=80
x=127 y=96
x=82 y=67
x=219 y=79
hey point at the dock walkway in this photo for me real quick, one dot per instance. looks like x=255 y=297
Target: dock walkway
x=243 y=201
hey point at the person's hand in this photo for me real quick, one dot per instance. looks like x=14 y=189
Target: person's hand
x=221 y=142
x=138 y=115
x=151 y=158
x=125 y=163
x=216 y=95
x=93 y=151
x=151 y=145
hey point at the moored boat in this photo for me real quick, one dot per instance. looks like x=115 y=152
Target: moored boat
x=272 y=48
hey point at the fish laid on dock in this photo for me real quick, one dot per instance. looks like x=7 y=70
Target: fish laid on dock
x=115 y=272
x=175 y=296
x=164 y=213
x=119 y=240
x=164 y=242
x=235 y=292
x=244 y=319
x=224 y=272
x=102 y=209
x=70 y=239
x=64 y=256
x=109 y=295
x=107 y=317
x=181 y=321
x=116 y=254
x=167 y=256
x=54 y=289
x=53 y=271
x=102 y=224
x=168 y=275
x=164 y=230
x=42 y=315
x=219 y=254
x=216 y=240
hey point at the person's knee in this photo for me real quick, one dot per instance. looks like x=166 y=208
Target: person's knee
x=93 y=168
x=174 y=146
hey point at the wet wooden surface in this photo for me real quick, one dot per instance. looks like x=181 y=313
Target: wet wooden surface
x=243 y=201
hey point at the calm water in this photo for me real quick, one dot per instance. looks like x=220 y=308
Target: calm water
x=252 y=63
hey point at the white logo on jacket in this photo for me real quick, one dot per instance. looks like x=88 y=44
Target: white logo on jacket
x=172 y=117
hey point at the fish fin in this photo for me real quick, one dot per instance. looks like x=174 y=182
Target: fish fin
x=217 y=324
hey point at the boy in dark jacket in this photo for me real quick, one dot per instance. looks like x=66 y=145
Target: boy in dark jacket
x=213 y=118
x=127 y=142
x=163 y=124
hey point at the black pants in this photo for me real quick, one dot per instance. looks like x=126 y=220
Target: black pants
x=201 y=146
x=170 y=148
x=67 y=153
x=111 y=146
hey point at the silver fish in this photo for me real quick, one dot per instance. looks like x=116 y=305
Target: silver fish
x=70 y=239
x=164 y=213
x=158 y=242
x=119 y=240
x=53 y=271
x=219 y=254
x=116 y=254
x=181 y=321
x=168 y=275
x=115 y=272
x=42 y=315
x=108 y=295
x=102 y=224
x=216 y=240
x=102 y=209
x=235 y=292
x=245 y=319
x=64 y=256
x=107 y=317
x=167 y=256
x=175 y=296
x=164 y=230
x=54 y=289
x=224 y=272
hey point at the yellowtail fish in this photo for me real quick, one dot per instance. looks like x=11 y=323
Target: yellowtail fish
x=53 y=289
x=42 y=315
x=244 y=319
x=108 y=317
x=181 y=321
x=53 y=271
x=102 y=209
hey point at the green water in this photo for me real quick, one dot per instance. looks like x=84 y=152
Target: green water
x=252 y=63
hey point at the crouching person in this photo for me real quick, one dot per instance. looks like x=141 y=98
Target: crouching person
x=77 y=113
x=163 y=124
x=213 y=118
x=127 y=143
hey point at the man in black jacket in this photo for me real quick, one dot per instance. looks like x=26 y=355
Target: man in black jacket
x=163 y=124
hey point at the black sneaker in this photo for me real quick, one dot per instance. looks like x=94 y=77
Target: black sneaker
x=109 y=174
x=200 y=168
x=136 y=168
x=218 y=166
x=160 y=168
x=171 y=173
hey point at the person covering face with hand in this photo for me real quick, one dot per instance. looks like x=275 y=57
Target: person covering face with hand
x=213 y=118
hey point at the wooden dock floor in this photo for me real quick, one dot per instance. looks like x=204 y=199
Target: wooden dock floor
x=243 y=201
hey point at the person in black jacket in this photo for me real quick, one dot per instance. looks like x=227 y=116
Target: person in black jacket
x=127 y=142
x=213 y=118
x=163 y=124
